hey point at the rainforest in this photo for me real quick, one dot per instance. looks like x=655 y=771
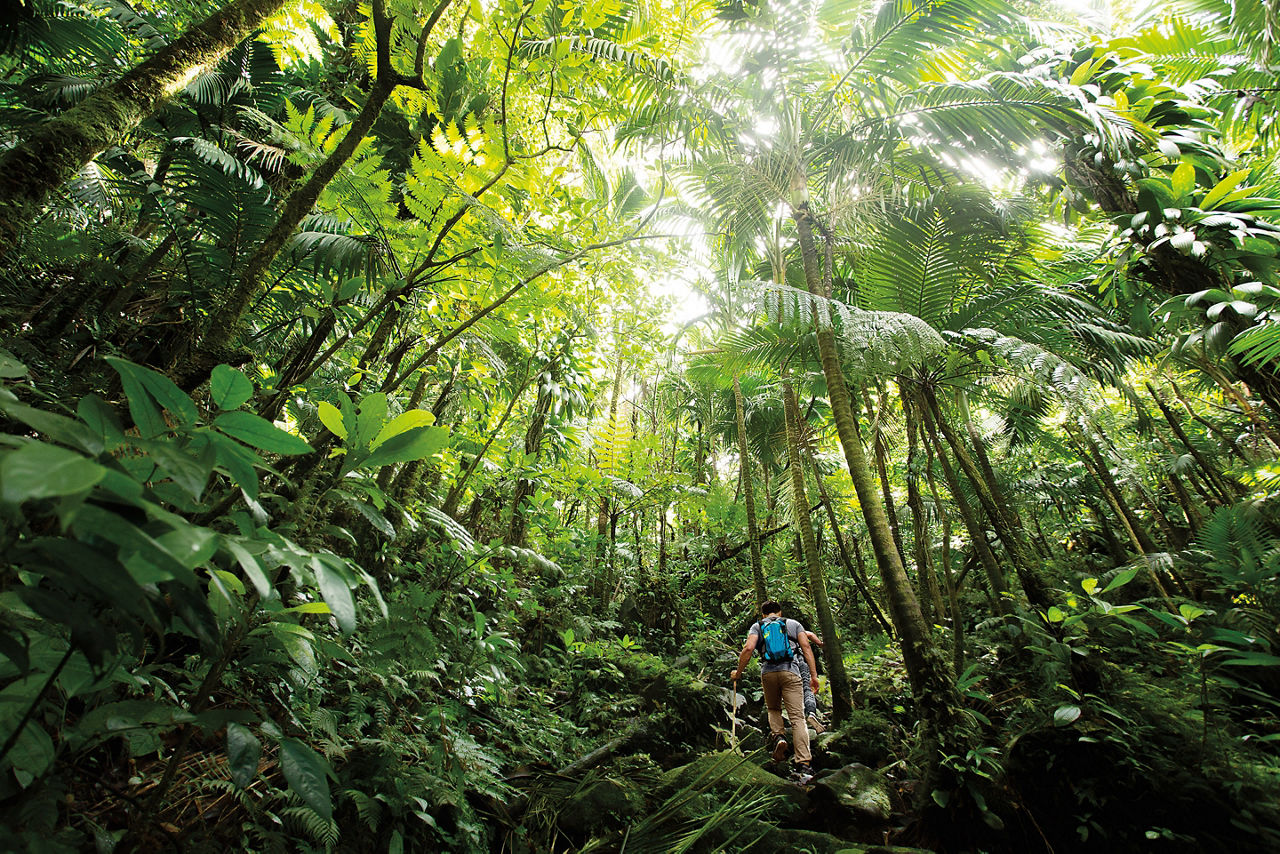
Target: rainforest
x=408 y=406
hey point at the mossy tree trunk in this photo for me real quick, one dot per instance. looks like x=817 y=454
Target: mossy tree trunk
x=832 y=654
x=748 y=495
x=52 y=152
x=932 y=684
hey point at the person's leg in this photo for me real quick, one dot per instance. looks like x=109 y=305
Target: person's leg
x=810 y=701
x=793 y=700
x=773 y=683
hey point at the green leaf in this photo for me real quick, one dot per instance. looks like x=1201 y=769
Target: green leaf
x=59 y=428
x=1222 y=188
x=307 y=774
x=10 y=367
x=239 y=462
x=159 y=387
x=332 y=577
x=331 y=417
x=243 y=752
x=32 y=753
x=415 y=444
x=402 y=423
x=1066 y=715
x=251 y=568
x=1253 y=659
x=1121 y=578
x=260 y=433
x=37 y=470
x=373 y=411
x=191 y=546
x=1183 y=180
x=229 y=388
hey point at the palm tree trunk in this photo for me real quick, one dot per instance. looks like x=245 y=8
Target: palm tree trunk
x=977 y=534
x=1213 y=476
x=953 y=598
x=55 y=150
x=854 y=572
x=920 y=541
x=744 y=468
x=882 y=469
x=1015 y=545
x=931 y=683
x=832 y=655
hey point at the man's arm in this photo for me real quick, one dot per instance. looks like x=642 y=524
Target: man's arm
x=808 y=657
x=745 y=656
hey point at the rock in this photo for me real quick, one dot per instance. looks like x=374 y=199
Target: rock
x=864 y=738
x=863 y=791
x=724 y=773
x=604 y=803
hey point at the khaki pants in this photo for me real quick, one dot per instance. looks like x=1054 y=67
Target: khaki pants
x=783 y=688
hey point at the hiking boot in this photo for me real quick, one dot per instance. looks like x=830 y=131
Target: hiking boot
x=818 y=726
x=803 y=772
x=780 y=748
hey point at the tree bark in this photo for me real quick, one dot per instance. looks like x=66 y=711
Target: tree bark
x=52 y=152
x=931 y=683
x=748 y=496
x=1015 y=544
x=832 y=655
x=977 y=534
x=920 y=541
x=854 y=572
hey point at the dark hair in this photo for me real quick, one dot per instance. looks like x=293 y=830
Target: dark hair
x=770 y=608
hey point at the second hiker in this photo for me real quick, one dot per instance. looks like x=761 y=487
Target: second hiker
x=775 y=639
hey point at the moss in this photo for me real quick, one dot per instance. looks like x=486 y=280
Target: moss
x=724 y=773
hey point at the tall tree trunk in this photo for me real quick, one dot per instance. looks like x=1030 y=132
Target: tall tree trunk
x=953 y=598
x=1114 y=546
x=832 y=655
x=977 y=534
x=921 y=547
x=602 y=513
x=744 y=468
x=52 y=152
x=1225 y=491
x=882 y=469
x=932 y=686
x=1014 y=542
x=525 y=486
x=854 y=572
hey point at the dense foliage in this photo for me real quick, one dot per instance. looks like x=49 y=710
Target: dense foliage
x=366 y=483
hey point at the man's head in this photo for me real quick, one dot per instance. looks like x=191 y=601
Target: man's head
x=770 y=609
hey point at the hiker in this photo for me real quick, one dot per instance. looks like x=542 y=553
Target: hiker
x=810 y=701
x=776 y=638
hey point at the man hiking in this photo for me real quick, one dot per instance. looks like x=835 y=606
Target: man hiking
x=775 y=638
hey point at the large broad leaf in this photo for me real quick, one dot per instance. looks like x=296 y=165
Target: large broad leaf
x=334 y=580
x=403 y=423
x=243 y=752
x=162 y=389
x=260 y=433
x=307 y=774
x=229 y=388
x=37 y=470
x=415 y=444
x=331 y=417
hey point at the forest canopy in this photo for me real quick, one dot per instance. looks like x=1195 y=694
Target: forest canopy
x=406 y=409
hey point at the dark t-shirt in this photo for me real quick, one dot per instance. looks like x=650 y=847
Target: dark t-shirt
x=793 y=629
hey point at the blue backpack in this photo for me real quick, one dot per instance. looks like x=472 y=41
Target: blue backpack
x=776 y=646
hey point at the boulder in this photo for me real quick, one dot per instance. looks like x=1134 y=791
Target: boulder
x=724 y=773
x=863 y=791
x=605 y=803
